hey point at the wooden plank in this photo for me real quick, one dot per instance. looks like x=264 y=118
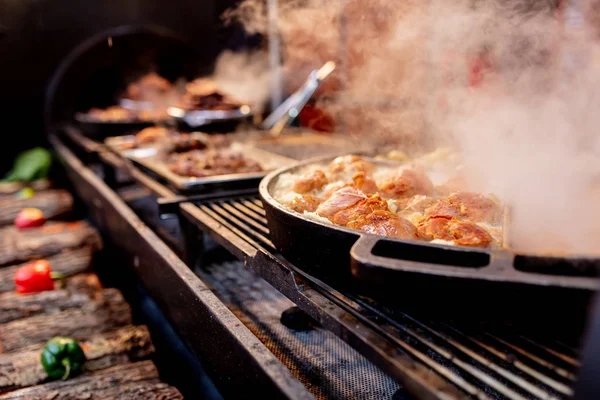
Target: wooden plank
x=68 y=262
x=23 y=368
x=22 y=245
x=78 y=324
x=82 y=292
x=53 y=203
x=9 y=188
x=126 y=381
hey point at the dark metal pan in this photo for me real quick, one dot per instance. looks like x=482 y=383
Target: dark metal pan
x=99 y=130
x=400 y=271
x=218 y=121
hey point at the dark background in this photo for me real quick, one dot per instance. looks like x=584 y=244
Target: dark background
x=39 y=34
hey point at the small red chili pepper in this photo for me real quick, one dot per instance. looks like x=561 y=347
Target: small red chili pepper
x=30 y=218
x=36 y=277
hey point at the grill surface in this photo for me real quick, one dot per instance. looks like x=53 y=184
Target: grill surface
x=483 y=361
x=326 y=365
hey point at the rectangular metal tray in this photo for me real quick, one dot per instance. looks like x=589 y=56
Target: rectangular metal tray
x=149 y=158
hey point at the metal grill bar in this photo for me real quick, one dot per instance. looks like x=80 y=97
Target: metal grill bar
x=482 y=364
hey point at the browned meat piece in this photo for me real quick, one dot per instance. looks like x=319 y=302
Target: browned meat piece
x=470 y=206
x=151 y=134
x=475 y=207
x=463 y=233
x=364 y=207
x=310 y=181
x=385 y=223
x=416 y=203
x=434 y=228
x=469 y=234
x=351 y=163
x=364 y=183
x=305 y=203
x=148 y=88
x=340 y=200
x=407 y=184
x=187 y=142
x=211 y=162
x=441 y=208
x=115 y=113
x=204 y=94
x=157 y=114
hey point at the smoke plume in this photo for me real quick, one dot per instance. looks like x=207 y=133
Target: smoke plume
x=506 y=83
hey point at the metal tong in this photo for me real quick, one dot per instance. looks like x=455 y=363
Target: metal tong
x=283 y=115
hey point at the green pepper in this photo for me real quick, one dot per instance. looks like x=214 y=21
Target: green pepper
x=62 y=357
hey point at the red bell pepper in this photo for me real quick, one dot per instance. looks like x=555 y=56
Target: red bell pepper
x=30 y=218
x=36 y=277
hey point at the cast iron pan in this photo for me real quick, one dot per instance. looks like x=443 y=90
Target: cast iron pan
x=420 y=274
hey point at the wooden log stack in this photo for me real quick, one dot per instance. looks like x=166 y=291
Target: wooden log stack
x=118 y=353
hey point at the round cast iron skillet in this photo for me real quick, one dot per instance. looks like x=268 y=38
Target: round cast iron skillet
x=418 y=273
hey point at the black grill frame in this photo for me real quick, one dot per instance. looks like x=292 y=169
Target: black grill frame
x=432 y=360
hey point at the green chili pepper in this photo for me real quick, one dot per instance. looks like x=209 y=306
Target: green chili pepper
x=62 y=357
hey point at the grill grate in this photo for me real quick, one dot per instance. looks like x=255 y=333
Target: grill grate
x=482 y=361
x=327 y=366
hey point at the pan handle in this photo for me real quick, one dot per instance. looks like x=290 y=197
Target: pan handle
x=372 y=253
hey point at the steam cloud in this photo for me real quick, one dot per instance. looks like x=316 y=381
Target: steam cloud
x=245 y=76
x=527 y=133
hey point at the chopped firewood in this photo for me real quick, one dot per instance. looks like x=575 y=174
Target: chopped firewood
x=77 y=295
x=126 y=381
x=53 y=203
x=10 y=188
x=23 y=368
x=22 y=245
x=78 y=324
x=68 y=263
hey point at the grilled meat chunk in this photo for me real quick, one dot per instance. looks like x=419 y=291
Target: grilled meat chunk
x=151 y=135
x=386 y=223
x=305 y=203
x=417 y=203
x=363 y=207
x=407 y=183
x=363 y=183
x=469 y=206
x=148 y=87
x=310 y=181
x=351 y=163
x=340 y=200
x=211 y=162
x=447 y=228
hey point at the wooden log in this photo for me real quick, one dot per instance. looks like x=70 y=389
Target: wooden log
x=53 y=203
x=78 y=324
x=82 y=292
x=126 y=381
x=68 y=262
x=127 y=344
x=22 y=245
x=7 y=188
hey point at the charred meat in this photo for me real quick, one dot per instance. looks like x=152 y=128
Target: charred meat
x=204 y=94
x=199 y=163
